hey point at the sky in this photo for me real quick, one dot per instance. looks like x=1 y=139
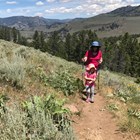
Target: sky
x=61 y=9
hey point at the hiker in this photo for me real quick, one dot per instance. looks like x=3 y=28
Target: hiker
x=94 y=55
x=90 y=77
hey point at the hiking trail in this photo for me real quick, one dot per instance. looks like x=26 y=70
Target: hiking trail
x=94 y=122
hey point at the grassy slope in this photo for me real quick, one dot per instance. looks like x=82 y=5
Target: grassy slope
x=127 y=24
x=121 y=91
x=23 y=77
x=123 y=95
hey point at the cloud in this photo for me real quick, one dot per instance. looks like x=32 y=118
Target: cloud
x=39 y=3
x=90 y=7
x=39 y=14
x=61 y=1
x=8 y=10
x=65 y=0
x=59 y=10
x=65 y=8
x=50 y=0
x=11 y=2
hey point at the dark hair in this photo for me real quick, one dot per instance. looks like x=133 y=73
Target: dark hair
x=91 y=48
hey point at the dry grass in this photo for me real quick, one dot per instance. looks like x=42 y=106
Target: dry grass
x=122 y=93
x=20 y=64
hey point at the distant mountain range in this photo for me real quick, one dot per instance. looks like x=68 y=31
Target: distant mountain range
x=27 y=23
x=116 y=22
x=127 y=11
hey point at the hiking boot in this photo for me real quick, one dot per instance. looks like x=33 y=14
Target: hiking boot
x=92 y=98
x=92 y=101
x=87 y=100
x=84 y=91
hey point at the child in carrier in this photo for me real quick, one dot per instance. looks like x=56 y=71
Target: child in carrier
x=90 y=77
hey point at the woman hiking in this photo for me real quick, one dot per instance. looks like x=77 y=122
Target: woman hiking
x=93 y=56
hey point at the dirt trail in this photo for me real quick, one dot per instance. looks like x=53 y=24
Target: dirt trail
x=94 y=122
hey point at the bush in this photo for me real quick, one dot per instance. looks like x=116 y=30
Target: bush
x=138 y=80
x=36 y=121
x=133 y=121
x=13 y=71
x=62 y=80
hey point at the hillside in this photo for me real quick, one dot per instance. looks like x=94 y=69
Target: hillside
x=126 y=11
x=30 y=103
x=29 y=23
x=34 y=87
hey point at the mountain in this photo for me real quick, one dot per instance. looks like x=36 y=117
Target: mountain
x=127 y=11
x=114 y=23
x=29 y=23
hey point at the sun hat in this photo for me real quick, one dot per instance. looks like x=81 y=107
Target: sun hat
x=95 y=44
x=90 y=66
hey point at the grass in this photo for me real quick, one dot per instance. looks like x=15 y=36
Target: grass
x=31 y=113
x=124 y=101
x=27 y=114
x=126 y=24
x=37 y=119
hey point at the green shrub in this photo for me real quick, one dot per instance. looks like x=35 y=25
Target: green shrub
x=61 y=80
x=3 y=99
x=138 y=80
x=13 y=71
x=133 y=121
x=36 y=121
x=48 y=103
x=112 y=107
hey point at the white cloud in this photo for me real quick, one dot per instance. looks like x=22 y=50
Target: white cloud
x=51 y=11
x=39 y=3
x=90 y=7
x=11 y=2
x=50 y=0
x=59 y=1
x=72 y=8
x=39 y=14
x=65 y=0
x=59 y=10
x=101 y=6
x=129 y=0
x=8 y=10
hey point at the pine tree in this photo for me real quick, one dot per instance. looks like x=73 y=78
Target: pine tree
x=36 y=40
x=42 y=41
x=14 y=33
x=54 y=43
x=68 y=47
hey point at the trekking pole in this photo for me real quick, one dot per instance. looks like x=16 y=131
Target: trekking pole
x=99 y=77
x=98 y=80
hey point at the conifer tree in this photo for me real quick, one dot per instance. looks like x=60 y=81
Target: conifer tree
x=14 y=33
x=42 y=41
x=36 y=40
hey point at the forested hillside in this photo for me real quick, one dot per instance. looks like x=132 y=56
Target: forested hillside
x=120 y=54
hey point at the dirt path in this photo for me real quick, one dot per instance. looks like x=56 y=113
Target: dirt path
x=94 y=122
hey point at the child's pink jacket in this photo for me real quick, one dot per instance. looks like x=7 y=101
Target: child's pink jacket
x=89 y=75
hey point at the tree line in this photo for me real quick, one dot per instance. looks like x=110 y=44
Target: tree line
x=120 y=54
x=12 y=34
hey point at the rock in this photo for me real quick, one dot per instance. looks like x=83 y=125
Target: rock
x=72 y=108
x=110 y=95
x=122 y=99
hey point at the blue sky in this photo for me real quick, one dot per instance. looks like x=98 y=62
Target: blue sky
x=60 y=9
